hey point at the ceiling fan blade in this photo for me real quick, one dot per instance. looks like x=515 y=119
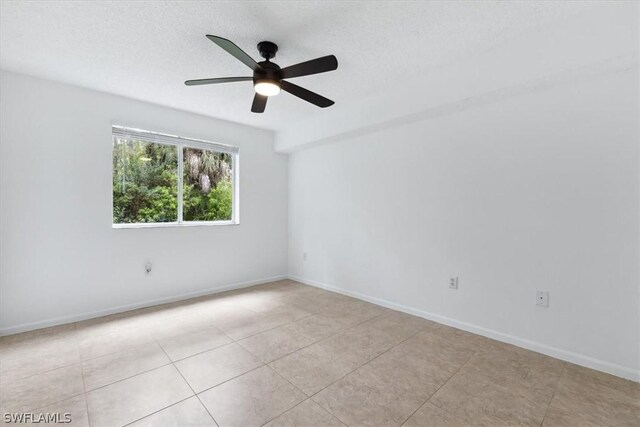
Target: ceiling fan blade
x=305 y=94
x=314 y=66
x=234 y=50
x=259 y=103
x=217 y=80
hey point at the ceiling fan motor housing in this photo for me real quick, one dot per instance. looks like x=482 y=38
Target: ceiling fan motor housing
x=270 y=72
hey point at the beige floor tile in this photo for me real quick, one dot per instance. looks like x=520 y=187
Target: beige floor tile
x=557 y=417
x=100 y=341
x=432 y=416
x=362 y=398
x=259 y=301
x=317 y=327
x=131 y=399
x=368 y=364
x=387 y=390
x=212 y=367
x=526 y=373
x=251 y=399
x=408 y=362
x=66 y=331
x=36 y=391
x=230 y=319
x=187 y=344
x=315 y=367
x=189 y=412
x=459 y=336
x=399 y=325
x=71 y=412
x=430 y=342
x=602 y=384
x=275 y=343
x=177 y=324
x=588 y=397
x=363 y=342
x=352 y=314
x=316 y=300
x=251 y=324
x=113 y=367
x=306 y=414
x=134 y=319
x=34 y=352
x=477 y=400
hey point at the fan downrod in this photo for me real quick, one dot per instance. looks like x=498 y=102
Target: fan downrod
x=267 y=50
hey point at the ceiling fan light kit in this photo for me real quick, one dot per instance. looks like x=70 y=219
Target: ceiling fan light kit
x=266 y=87
x=268 y=77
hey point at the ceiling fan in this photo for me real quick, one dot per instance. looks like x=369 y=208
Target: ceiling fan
x=268 y=77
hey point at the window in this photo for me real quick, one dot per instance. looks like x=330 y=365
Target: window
x=161 y=179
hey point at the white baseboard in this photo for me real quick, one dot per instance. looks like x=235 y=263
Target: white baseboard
x=10 y=330
x=568 y=356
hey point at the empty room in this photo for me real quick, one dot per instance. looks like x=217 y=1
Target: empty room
x=319 y=213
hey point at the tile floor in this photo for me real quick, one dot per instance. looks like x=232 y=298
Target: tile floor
x=285 y=354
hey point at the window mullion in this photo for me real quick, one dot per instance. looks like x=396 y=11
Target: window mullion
x=180 y=176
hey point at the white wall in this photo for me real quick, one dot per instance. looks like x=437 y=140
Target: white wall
x=60 y=258
x=535 y=191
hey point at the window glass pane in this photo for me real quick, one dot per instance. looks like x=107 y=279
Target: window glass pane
x=145 y=182
x=207 y=185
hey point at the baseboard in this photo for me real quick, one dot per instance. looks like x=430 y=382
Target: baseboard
x=10 y=330
x=568 y=356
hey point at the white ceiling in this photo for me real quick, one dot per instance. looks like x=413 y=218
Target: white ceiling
x=145 y=50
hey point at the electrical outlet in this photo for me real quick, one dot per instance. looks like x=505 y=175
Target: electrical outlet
x=453 y=282
x=147 y=267
x=542 y=298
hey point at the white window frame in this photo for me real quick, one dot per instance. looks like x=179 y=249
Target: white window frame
x=180 y=143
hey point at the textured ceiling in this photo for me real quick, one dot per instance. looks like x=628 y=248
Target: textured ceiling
x=145 y=50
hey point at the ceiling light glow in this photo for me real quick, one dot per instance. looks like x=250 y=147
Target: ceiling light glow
x=267 y=88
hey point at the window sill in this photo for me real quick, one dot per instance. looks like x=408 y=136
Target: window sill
x=175 y=224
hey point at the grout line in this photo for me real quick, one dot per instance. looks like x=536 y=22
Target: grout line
x=231 y=379
x=299 y=403
x=292 y=385
x=129 y=377
x=442 y=385
x=159 y=410
x=200 y=352
x=311 y=314
x=290 y=409
x=564 y=370
x=126 y=348
x=187 y=382
x=84 y=387
x=338 y=332
x=360 y=367
x=271 y=329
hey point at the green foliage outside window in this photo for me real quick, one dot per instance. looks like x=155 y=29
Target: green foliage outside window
x=145 y=183
x=207 y=189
